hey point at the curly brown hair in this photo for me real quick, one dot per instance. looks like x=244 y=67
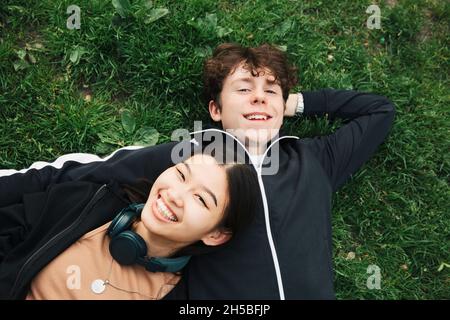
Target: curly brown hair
x=228 y=56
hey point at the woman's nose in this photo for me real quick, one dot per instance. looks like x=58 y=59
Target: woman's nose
x=175 y=197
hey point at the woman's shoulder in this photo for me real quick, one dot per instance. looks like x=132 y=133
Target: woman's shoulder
x=100 y=231
x=170 y=281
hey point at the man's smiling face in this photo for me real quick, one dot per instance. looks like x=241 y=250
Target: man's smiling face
x=250 y=102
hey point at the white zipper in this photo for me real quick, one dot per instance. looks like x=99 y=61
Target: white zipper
x=265 y=206
x=269 y=231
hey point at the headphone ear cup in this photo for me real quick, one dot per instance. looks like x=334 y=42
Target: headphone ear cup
x=122 y=221
x=127 y=247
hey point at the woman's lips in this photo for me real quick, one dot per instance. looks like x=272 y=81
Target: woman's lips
x=158 y=214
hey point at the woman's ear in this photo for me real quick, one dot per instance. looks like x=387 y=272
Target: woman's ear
x=217 y=237
x=214 y=111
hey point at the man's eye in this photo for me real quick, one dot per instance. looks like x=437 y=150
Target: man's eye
x=271 y=91
x=181 y=174
x=243 y=89
x=203 y=201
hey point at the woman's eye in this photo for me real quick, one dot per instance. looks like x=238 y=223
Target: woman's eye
x=271 y=91
x=181 y=174
x=243 y=90
x=203 y=201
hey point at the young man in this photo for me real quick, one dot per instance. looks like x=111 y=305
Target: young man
x=287 y=252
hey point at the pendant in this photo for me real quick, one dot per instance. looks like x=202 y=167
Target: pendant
x=98 y=286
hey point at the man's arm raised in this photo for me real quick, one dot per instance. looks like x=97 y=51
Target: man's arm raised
x=367 y=120
x=294 y=104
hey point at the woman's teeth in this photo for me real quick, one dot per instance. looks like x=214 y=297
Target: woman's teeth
x=165 y=211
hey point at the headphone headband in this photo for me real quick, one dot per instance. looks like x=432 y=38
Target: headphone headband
x=164 y=264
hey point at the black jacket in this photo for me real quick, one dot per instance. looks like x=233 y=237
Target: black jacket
x=287 y=252
x=46 y=223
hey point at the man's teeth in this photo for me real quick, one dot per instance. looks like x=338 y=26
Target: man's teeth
x=256 y=117
x=164 y=211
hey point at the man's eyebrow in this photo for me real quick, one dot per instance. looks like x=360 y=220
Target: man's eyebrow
x=250 y=80
x=204 y=188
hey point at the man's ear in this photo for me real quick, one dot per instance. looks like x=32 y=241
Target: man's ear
x=217 y=237
x=214 y=111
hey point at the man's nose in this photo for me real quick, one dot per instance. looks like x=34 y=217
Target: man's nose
x=175 y=197
x=259 y=96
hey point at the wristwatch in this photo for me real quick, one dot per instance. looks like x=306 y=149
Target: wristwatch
x=300 y=104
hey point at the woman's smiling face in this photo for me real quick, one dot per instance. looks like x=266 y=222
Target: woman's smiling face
x=187 y=201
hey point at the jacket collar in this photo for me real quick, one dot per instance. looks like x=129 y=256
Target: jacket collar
x=219 y=133
x=282 y=133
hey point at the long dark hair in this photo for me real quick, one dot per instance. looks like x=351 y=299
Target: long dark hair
x=243 y=190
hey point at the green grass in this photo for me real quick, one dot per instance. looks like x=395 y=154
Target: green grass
x=394 y=213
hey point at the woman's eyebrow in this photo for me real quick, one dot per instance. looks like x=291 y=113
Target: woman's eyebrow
x=203 y=187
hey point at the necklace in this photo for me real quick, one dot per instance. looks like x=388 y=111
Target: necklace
x=98 y=286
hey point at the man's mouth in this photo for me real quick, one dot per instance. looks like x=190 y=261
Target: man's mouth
x=164 y=211
x=257 y=116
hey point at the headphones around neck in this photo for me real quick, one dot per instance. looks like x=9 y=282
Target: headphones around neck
x=127 y=247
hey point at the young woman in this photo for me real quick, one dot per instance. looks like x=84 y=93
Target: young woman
x=62 y=243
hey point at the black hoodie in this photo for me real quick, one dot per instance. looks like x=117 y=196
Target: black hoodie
x=287 y=251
